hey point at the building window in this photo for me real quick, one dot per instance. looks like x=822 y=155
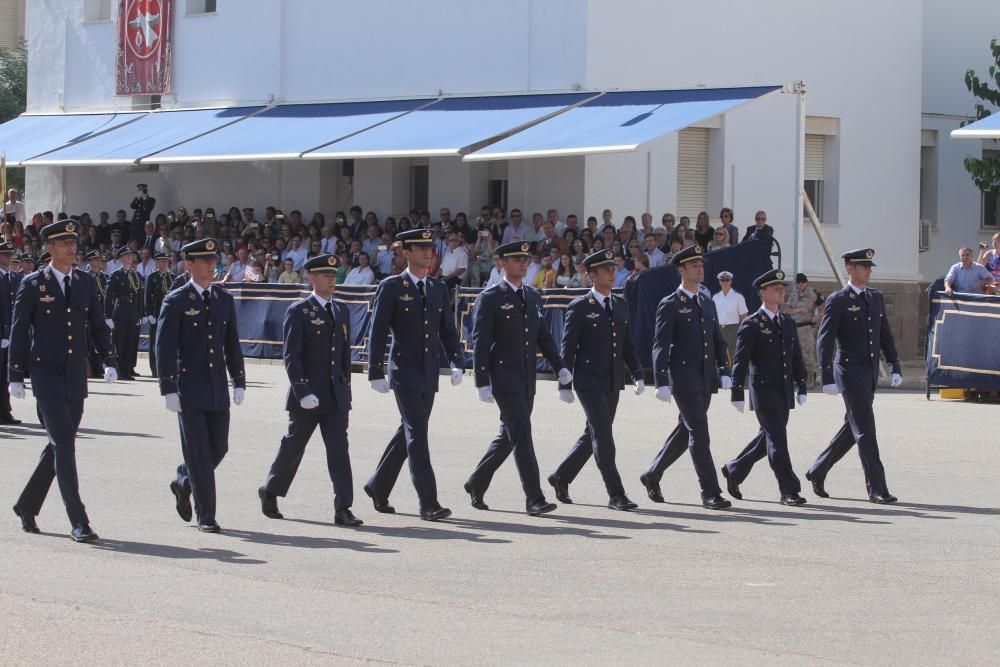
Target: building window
x=990 y=202
x=96 y=10
x=692 y=171
x=420 y=172
x=814 y=172
x=497 y=174
x=200 y=7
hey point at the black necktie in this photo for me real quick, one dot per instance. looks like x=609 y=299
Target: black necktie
x=607 y=308
x=207 y=296
x=329 y=311
x=420 y=289
x=66 y=287
x=864 y=297
x=520 y=297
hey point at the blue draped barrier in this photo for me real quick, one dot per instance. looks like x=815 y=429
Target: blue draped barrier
x=961 y=334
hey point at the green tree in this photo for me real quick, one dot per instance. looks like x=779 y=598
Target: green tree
x=986 y=171
x=13 y=97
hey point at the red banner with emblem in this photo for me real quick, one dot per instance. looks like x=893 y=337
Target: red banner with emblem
x=144 y=51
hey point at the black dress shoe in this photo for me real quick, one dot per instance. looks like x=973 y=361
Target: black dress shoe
x=883 y=498
x=562 y=490
x=477 y=498
x=345 y=517
x=211 y=527
x=731 y=486
x=652 y=489
x=269 y=504
x=792 y=499
x=435 y=514
x=9 y=420
x=621 y=502
x=28 y=524
x=819 y=485
x=540 y=506
x=83 y=534
x=715 y=503
x=183 y=500
x=381 y=504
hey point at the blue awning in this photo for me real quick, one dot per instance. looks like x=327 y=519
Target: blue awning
x=619 y=121
x=154 y=132
x=987 y=128
x=286 y=131
x=30 y=135
x=451 y=127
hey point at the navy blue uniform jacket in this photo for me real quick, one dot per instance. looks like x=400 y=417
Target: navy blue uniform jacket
x=856 y=330
x=688 y=349
x=507 y=341
x=773 y=361
x=594 y=350
x=120 y=300
x=49 y=336
x=418 y=334
x=194 y=348
x=317 y=354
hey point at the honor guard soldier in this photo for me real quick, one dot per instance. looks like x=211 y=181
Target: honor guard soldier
x=689 y=363
x=53 y=311
x=156 y=289
x=768 y=360
x=413 y=307
x=855 y=326
x=44 y=259
x=597 y=345
x=196 y=342
x=8 y=284
x=317 y=353
x=143 y=206
x=508 y=332
x=123 y=307
x=96 y=263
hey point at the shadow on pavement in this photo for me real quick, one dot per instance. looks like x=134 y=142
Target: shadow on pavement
x=532 y=526
x=167 y=551
x=38 y=430
x=917 y=507
x=427 y=532
x=109 y=393
x=305 y=542
x=125 y=434
x=767 y=517
x=629 y=525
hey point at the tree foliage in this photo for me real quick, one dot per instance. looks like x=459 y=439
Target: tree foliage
x=13 y=96
x=985 y=172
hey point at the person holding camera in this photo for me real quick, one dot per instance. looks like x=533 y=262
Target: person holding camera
x=143 y=206
x=482 y=253
x=990 y=258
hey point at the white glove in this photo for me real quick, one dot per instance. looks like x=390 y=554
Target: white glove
x=110 y=322
x=381 y=386
x=239 y=393
x=16 y=389
x=566 y=396
x=456 y=376
x=831 y=389
x=4 y=343
x=486 y=393
x=740 y=406
x=309 y=402
x=139 y=321
x=664 y=393
x=640 y=386
x=151 y=319
x=173 y=402
x=110 y=374
x=897 y=379
x=801 y=399
x=726 y=382
x=565 y=377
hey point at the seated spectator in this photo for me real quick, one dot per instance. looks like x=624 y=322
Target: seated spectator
x=689 y=238
x=362 y=274
x=533 y=268
x=546 y=277
x=343 y=266
x=720 y=239
x=676 y=245
x=653 y=253
x=565 y=273
x=254 y=272
x=289 y=276
x=760 y=230
x=236 y=271
x=496 y=275
x=482 y=258
x=581 y=277
x=384 y=258
x=731 y=308
x=967 y=276
x=703 y=231
x=988 y=258
x=455 y=262
x=621 y=272
x=726 y=216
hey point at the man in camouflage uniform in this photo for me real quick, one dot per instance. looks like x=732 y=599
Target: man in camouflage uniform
x=801 y=305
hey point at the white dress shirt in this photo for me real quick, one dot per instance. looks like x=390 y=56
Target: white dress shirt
x=729 y=307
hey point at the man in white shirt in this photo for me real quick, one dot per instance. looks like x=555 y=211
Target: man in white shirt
x=455 y=261
x=296 y=252
x=653 y=253
x=517 y=230
x=13 y=206
x=732 y=309
x=147 y=264
x=536 y=233
x=328 y=246
x=552 y=216
x=237 y=268
x=533 y=268
x=361 y=274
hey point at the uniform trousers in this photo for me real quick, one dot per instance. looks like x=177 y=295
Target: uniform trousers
x=301 y=426
x=409 y=442
x=126 y=339
x=690 y=434
x=597 y=439
x=204 y=443
x=5 y=407
x=772 y=442
x=152 y=349
x=61 y=418
x=514 y=436
x=859 y=427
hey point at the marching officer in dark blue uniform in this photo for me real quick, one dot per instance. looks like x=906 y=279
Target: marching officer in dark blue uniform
x=689 y=363
x=317 y=352
x=196 y=342
x=768 y=360
x=414 y=308
x=597 y=345
x=96 y=261
x=854 y=325
x=156 y=289
x=7 y=287
x=508 y=332
x=52 y=314
x=123 y=307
